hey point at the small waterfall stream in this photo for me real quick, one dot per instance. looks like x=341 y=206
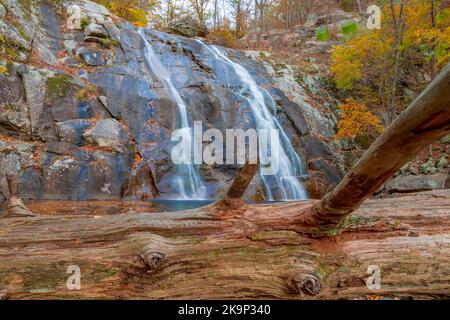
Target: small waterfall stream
x=187 y=182
x=286 y=180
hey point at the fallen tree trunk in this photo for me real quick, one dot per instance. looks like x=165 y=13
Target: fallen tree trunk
x=254 y=251
x=262 y=253
x=423 y=122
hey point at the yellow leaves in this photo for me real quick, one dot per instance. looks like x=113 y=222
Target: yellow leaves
x=432 y=41
x=223 y=37
x=349 y=61
x=346 y=66
x=416 y=11
x=137 y=17
x=436 y=41
x=132 y=10
x=369 y=56
x=356 y=120
x=4 y=70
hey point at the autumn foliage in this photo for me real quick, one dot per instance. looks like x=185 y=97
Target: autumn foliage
x=357 y=120
x=365 y=67
x=134 y=11
x=223 y=37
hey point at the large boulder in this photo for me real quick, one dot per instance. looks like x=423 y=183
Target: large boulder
x=415 y=183
x=93 y=8
x=16 y=117
x=107 y=133
x=72 y=130
x=188 y=27
x=337 y=15
x=95 y=30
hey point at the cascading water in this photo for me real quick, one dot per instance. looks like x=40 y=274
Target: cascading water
x=290 y=166
x=187 y=182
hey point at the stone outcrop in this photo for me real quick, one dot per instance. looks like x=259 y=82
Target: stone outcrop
x=107 y=133
x=188 y=27
x=303 y=37
x=80 y=112
x=416 y=183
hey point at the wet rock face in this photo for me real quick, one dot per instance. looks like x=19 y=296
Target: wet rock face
x=99 y=125
x=93 y=58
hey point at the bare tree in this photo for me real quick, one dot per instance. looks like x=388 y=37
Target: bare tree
x=216 y=14
x=433 y=25
x=200 y=7
x=358 y=2
x=238 y=15
x=397 y=23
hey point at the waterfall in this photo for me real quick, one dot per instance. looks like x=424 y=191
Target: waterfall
x=286 y=180
x=187 y=183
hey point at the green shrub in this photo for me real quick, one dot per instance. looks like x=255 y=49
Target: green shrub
x=323 y=34
x=84 y=22
x=349 y=29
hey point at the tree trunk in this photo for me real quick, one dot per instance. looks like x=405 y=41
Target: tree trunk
x=238 y=18
x=433 y=25
x=397 y=22
x=261 y=254
x=358 y=2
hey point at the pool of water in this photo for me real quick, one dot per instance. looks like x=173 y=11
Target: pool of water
x=109 y=207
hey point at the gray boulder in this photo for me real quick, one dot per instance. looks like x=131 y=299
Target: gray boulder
x=107 y=133
x=72 y=130
x=113 y=31
x=93 y=8
x=311 y=20
x=95 y=30
x=15 y=116
x=415 y=183
x=11 y=88
x=188 y=27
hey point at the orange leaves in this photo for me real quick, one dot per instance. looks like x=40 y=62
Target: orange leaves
x=223 y=37
x=357 y=120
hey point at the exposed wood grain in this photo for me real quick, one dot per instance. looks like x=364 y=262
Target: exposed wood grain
x=261 y=253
